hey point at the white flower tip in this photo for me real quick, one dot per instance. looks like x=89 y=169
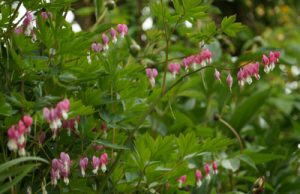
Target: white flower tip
x=66 y=180
x=103 y=168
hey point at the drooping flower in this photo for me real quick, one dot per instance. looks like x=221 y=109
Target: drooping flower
x=52 y=118
x=28 y=122
x=105 y=41
x=122 y=29
x=215 y=167
x=187 y=62
x=96 y=47
x=104 y=162
x=55 y=173
x=54 y=115
x=113 y=35
x=207 y=171
x=246 y=73
x=217 y=75
x=63 y=108
x=13 y=136
x=203 y=58
x=83 y=165
x=95 y=164
x=65 y=167
x=269 y=61
x=151 y=74
x=229 y=81
x=181 y=180
x=45 y=15
x=28 y=24
x=206 y=57
x=198 y=177
x=174 y=68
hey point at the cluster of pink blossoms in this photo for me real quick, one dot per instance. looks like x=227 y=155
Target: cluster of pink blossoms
x=27 y=26
x=17 y=135
x=100 y=162
x=97 y=162
x=203 y=58
x=98 y=47
x=61 y=168
x=198 y=175
x=247 y=72
x=54 y=115
x=269 y=62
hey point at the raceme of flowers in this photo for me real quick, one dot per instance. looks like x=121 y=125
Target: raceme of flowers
x=17 y=135
x=29 y=24
x=61 y=168
x=198 y=175
x=97 y=47
x=244 y=75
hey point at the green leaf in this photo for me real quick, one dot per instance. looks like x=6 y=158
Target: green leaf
x=247 y=160
x=260 y=158
x=229 y=27
x=215 y=144
x=248 y=108
x=231 y=164
x=18 y=171
x=17 y=161
x=17 y=179
x=187 y=144
x=111 y=145
x=14 y=171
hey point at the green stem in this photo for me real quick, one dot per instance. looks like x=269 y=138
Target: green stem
x=232 y=130
x=166 y=50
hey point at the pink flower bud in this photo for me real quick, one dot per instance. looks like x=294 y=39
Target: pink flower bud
x=206 y=56
x=27 y=120
x=95 y=164
x=44 y=15
x=62 y=108
x=103 y=161
x=174 y=68
x=215 y=168
x=207 y=169
x=229 y=81
x=113 y=35
x=217 y=75
x=105 y=41
x=181 y=180
x=151 y=74
x=277 y=55
x=198 y=177
x=83 y=165
x=21 y=128
x=265 y=60
x=65 y=158
x=122 y=29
